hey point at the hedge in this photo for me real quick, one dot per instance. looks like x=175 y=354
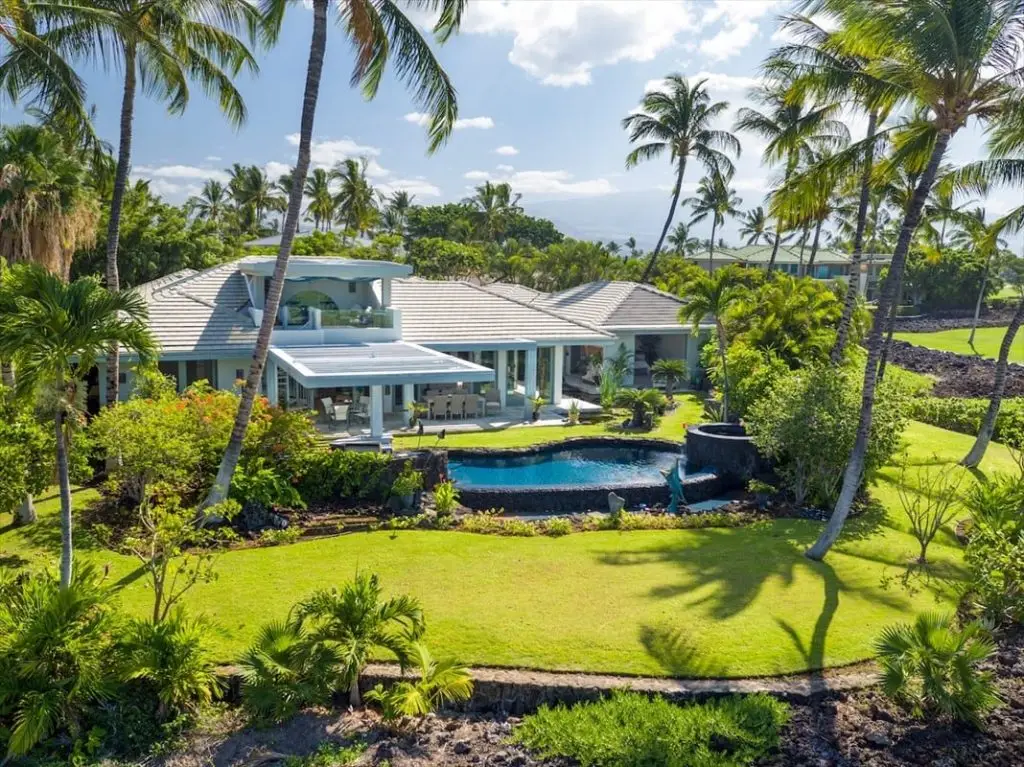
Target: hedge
x=965 y=416
x=331 y=474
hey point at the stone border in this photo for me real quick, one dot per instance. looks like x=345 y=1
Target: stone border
x=515 y=691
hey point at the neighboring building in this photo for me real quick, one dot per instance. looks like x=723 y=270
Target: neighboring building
x=350 y=327
x=828 y=264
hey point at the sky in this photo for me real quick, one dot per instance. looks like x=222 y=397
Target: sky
x=543 y=86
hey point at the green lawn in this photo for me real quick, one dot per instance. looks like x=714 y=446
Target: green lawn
x=986 y=342
x=689 y=410
x=720 y=602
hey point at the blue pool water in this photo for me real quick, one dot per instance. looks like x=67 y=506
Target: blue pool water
x=594 y=466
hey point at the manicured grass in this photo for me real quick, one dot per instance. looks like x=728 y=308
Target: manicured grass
x=986 y=342
x=715 y=602
x=689 y=410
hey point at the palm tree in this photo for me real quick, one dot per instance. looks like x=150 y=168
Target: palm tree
x=356 y=200
x=396 y=211
x=984 y=240
x=211 y=203
x=613 y=247
x=322 y=204
x=717 y=199
x=47 y=208
x=54 y=332
x=356 y=621
x=681 y=240
x=671 y=371
x=678 y=119
x=631 y=246
x=642 y=404
x=387 y=32
x=253 y=193
x=494 y=203
x=754 y=226
x=957 y=59
x=440 y=682
x=710 y=295
x=160 y=46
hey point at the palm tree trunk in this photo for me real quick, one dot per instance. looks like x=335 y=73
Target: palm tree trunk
x=711 y=245
x=852 y=287
x=668 y=221
x=64 y=482
x=720 y=332
x=273 y=300
x=124 y=159
x=855 y=467
x=7 y=374
x=988 y=426
x=775 y=247
x=803 y=243
x=26 y=512
x=814 y=248
x=977 y=304
x=354 y=699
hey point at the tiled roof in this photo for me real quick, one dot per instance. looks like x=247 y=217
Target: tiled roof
x=615 y=305
x=444 y=312
x=518 y=292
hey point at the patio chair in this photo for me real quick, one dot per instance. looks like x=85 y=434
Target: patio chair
x=472 y=405
x=328 y=406
x=341 y=414
x=456 y=405
x=432 y=407
x=360 y=413
x=492 y=402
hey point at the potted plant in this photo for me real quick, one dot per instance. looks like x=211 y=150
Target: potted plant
x=574 y=412
x=538 y=403
x=417 y=410
x=406 y=485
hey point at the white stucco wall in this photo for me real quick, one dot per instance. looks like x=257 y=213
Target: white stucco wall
x=338 y=290
x=226 y=371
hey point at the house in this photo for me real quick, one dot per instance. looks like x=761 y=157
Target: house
x=370 y=333
x=829 y=264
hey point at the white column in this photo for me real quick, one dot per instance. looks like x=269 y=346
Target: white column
x=501 y=376
x=408 y=396
x=862 y=281
x=557 y=368
x=182 y=374
x=272 y=381
x=530 y=381
x=385 y=292
x=376 y=411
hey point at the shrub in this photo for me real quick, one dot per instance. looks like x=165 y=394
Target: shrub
x=173 y=656
x=928 y=500
x=965 y=416
x=27 y=452
x=752 y=373
x=446 y=496
x=255 y=483
x=329 y=754
x=556 y=527
x=329 y=474
x=274 y=536
x=632 y=729
x=56 y=656
x=489 y=523
x=408 y=482
x=995 y=549
x=439 y=682
x=932 y=667
x=807 y=424
x=645 y=405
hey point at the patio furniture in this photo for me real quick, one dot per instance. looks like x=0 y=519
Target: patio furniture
x=341 y=414
x=492 y=402
x=471 y=406
x=360 y=412
x=456 y=405
x=328 y=407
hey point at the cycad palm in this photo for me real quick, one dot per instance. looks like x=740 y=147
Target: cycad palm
x=711 y=295
x=717 y=199
x=160 y=46
x=47 y=209
x=54 y=332
x=678 y=120
x=958 y=60
x=379 y=31
x=357 y=621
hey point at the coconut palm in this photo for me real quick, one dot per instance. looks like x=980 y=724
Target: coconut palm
x=494 y=204
x=254 y=194
x=322 y=204
x=211 y=203
x=387 y=34
x=47 y=208
x=158 y=45
x=754 y=226
x=356 y=200
x=357 y=621
x=678 y=120
x=711 y=295
x=791 y=127
x=54 y=332
x=396 y=211
x=717 y=199
x=985 y=241
x=958 y=60
x=681 y=240
x=671 y=372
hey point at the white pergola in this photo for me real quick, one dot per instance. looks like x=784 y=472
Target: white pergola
x=376 y=365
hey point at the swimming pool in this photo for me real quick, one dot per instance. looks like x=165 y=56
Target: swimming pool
x=577 y=466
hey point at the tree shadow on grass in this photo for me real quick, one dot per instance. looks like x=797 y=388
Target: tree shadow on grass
x=813 y=652
x=44 y=534
x=677 y=653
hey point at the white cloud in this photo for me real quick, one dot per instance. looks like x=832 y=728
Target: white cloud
x=325 y=153
x=171 y=190
x=275 y=170
x=422 y=119
x=717 y=83
x=729 y=41
x=506 y=168
x=418 y=187
x=507 y=150
x=213 y=158
x=547 y=183
x=179 y=172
